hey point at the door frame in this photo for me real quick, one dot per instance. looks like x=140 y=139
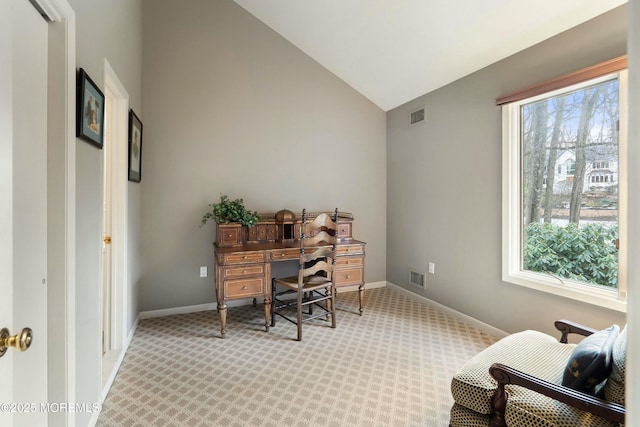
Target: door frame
x=61 y=208
x=116 y=94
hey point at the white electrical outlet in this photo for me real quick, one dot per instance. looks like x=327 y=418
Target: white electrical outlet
x=432 y=268
x=203 y=271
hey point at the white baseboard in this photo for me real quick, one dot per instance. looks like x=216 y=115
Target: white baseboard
x=213 y=306
x=182 y=310
x=468 y=319
x=370 y=285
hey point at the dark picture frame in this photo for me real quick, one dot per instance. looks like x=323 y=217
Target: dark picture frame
x=89 y=110
x=135 y=147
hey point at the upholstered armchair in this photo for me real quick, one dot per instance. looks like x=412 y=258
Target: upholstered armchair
x=531 y=379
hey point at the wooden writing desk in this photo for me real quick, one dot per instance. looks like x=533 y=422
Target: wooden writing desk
x=244 y=255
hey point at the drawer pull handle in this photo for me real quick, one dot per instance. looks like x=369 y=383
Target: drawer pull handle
x=244 y=271
x=282 y=254
x=348 y=262
x=244 y=257
x=244 y=288
x=348 y=277
x=229 y=235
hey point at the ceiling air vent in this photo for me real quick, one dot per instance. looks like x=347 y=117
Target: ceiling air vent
x=417 y=116
x=416 y=278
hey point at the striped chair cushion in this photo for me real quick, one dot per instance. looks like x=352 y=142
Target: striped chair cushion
x=533 y=352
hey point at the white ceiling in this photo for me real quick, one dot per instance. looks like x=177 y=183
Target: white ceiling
x=392 y=51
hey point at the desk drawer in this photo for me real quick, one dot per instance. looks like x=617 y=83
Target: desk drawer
x=262 y=233
x=351 y=276
x=349 y=261
x=349 y=249
x=244 y=288
x=231 y=234
x=244 y=271
x=242 y=257
x=279 y=254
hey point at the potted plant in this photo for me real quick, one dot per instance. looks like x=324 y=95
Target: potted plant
x=232 y=220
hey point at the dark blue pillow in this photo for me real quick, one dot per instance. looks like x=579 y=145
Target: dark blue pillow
x=590 y=362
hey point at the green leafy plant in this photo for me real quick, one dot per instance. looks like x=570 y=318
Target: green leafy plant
x=227 y=211
x=587 y=254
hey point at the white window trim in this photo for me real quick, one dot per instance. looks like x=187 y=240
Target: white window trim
x=512 y=237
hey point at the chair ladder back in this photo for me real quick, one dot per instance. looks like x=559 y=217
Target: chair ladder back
x=318 y=267
x=322 y=236
x=322 y=223
x=321 y=252
x=323 y=229
x=316 y=282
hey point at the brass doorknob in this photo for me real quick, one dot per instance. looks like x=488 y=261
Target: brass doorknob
x=20 y=341
x=107 y=240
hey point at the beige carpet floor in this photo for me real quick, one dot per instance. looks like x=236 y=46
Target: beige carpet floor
x=390 y=367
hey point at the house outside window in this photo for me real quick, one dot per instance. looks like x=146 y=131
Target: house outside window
x=561 y=230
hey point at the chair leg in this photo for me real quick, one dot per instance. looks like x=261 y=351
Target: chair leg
x=273 y=302
x=328 y=303
x=299 y=315
x=333 y=306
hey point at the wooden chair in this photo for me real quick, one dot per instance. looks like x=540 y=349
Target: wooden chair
x=315 y=282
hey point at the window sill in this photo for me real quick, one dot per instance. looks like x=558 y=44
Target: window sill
x=567 y=289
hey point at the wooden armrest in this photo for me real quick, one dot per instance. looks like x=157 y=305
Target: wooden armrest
x=506 y=375
x=568 y=327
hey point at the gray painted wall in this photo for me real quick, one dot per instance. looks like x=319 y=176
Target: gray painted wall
x=231 y=107
x=104 y=29
x=444 y=184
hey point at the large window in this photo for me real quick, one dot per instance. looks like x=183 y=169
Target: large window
x=564 y=190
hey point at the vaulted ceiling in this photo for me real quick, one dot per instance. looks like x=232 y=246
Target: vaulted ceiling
x=392 y=51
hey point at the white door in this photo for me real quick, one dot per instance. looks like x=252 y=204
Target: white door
x=23 y=215
x=114 y=298
x=107 y=268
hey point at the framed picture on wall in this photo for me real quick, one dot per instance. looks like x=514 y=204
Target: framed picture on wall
x=89 y=110
x=135 y=147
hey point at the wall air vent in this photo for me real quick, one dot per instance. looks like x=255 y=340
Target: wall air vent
x=416 y=278
x=417 y=116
